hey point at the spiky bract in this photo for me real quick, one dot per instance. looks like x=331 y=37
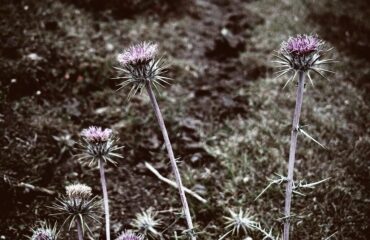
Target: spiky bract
x=98 y=144
x=129 y=235
x=146 y=222
x=239 y=221
x=139 y=66
x=44 y=232
x=302 y=53
x=78 y=207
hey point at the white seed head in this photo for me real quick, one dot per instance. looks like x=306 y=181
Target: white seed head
x=78 y=191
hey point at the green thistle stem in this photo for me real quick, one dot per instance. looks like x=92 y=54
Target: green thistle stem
x=175 y=169
x=292 y=152
x=105 y=198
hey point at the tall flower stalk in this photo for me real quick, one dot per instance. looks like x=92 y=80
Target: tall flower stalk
x=141 y=70
x=99 y=147
x=299 y=55
x=292 y=152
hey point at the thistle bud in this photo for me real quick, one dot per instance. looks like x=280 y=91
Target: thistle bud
x=44 y=232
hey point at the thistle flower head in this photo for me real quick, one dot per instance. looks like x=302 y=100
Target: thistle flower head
x=138 y=54
x=96 y=134
x=44 y=232
x=78 y=205
x=241 y=220
x=302 y=45
x=146 y=222
x=302 y=53
x=139 y=66
x=78 y=191
x=98 y=144
x=129 y=235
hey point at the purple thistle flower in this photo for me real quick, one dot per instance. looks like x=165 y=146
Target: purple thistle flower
x=139 y=66
x=302 y=53
x=138 y=54
x=44 y=232
x=302 y=45
x=96 y=134
x=129 y=235
x=98 y=144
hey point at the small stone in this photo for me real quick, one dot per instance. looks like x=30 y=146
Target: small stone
x=34 y=57
x=109 y=47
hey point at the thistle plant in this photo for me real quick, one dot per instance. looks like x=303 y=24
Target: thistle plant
x=300 y=55
x=78 y=207
x=238 y=223
x=44 y=232
x=129 y=235
x=139 y=68
x=99 y=147
x=147 y=223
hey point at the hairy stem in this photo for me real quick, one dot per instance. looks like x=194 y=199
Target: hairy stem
x=292 y=152
x=105 y=198
x=175 y=169
x=79 y=230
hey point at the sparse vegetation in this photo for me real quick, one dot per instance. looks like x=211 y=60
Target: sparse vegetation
x=227 y=116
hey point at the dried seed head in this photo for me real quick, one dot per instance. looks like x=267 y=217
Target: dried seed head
x=302 y=53
x=78 y=191
x=44 y=232
x=241 y=220
x=98 y=144
x=96 y=134
x=139 y=66
x=129 y=235
x=146 y=222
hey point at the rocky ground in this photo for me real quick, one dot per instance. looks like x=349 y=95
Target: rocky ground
x=227 y=116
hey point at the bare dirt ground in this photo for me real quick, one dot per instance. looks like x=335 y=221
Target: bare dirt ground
x=227 y=116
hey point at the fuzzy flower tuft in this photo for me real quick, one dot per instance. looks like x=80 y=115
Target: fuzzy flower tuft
x=78 y=191
x=96 y=134
x=139 y=66
x=44 y=232
x=138 y=54
x=98 y=144
x=302 y=45
x=303 y=53
x=129 y=235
